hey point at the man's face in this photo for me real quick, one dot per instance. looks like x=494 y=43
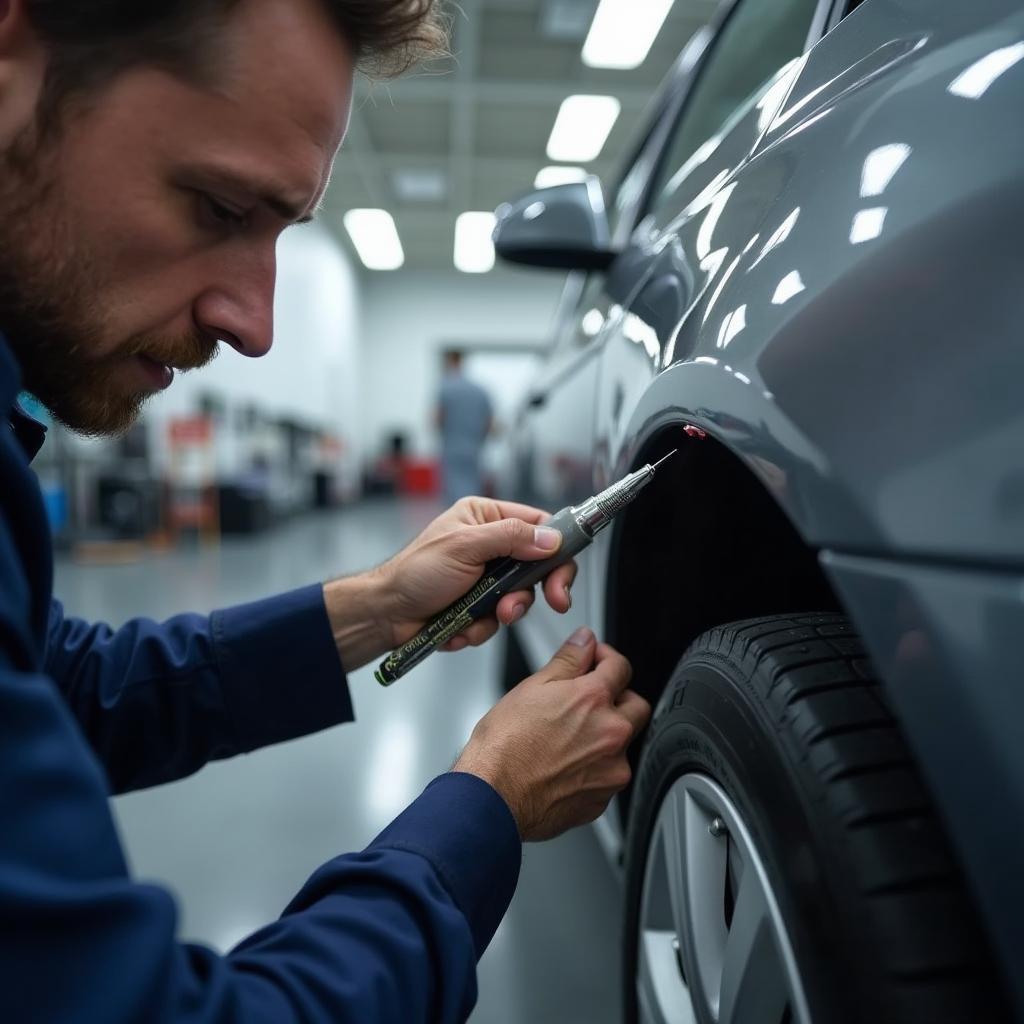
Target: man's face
x=145 y=232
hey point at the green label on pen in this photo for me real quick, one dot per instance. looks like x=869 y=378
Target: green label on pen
x=440 y=630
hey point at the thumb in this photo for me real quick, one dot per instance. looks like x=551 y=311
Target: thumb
x=574 y=658
x=479 y=544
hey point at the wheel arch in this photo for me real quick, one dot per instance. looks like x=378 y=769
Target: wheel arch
x=708 y=544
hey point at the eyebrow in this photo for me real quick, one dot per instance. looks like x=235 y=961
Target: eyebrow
x=270 y=195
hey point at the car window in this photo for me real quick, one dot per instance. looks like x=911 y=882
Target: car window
x=756 y=41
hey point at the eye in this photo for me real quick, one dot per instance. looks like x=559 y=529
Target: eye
x=219 y=215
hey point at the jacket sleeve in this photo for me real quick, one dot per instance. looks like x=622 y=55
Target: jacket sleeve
x=156 y=701
x=386 y=935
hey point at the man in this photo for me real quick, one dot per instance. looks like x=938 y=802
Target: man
x=150 y=155
x=464 y=417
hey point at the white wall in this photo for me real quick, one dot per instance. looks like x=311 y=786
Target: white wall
x=410 y=317
x=312 y=371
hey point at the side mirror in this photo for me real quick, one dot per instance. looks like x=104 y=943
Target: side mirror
x=564 y=226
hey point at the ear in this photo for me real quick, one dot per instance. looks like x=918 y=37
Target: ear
x=22 y=69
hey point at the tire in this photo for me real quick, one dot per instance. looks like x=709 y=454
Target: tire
x=773 y=755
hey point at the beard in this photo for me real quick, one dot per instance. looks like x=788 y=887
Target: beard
x=51 y=305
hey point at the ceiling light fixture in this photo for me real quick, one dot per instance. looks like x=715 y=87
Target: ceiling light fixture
x=375 y=237
x=474 y=249
x=420 y=185
x=623 y=32
x=558 y=175
x=582 y=128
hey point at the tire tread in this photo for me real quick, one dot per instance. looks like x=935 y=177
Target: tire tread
x=812 y=675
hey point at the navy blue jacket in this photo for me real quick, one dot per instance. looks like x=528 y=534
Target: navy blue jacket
x=389 y=934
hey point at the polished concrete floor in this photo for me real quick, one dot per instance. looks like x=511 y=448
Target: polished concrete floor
x=235 y=841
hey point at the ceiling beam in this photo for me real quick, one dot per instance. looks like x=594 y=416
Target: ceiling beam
x=358 y=150
x=392 y=159
x=441 y=88
x=467 y=56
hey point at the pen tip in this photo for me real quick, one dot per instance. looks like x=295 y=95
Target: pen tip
x=664 y=457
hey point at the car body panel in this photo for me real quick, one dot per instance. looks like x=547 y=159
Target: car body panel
x=838 y=300
x=850 y=364
x=947 y=643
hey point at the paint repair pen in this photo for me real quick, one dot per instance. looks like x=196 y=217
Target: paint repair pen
x=578 y=525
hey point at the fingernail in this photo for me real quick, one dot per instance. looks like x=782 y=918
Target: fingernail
x=568 y=596
x=581 y=637
x=546 y=539
x=517 y=613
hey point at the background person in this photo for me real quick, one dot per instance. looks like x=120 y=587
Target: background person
x=465 y=417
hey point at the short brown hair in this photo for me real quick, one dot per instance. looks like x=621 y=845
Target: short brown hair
x=90 y=43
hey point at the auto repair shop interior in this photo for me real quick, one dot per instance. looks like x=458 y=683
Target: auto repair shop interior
x=771 y=248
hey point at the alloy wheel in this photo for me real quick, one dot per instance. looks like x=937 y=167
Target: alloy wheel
x=713 y=946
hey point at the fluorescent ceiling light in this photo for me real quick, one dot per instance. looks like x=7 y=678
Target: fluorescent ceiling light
x=581 y=128
x=375 y=237
x=422 y=185
x=623 y=31
x=972 y=83
x=868 y=224
x=556 y=175
x=474 y=250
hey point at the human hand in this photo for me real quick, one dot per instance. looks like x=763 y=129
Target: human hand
x=554 y=747
x=448 y=557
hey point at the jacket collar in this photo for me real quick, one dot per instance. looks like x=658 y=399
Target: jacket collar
x=29 y=432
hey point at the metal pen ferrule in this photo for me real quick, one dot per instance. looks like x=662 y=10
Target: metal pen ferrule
x=597 y=512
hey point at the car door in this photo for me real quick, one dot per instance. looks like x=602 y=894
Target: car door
x=674 y=253
x=606 y=349
x=553 y=438
x=676 y=257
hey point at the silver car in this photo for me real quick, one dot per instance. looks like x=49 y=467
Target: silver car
x=809 y=279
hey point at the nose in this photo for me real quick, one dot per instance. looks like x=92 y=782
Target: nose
x=240 y=309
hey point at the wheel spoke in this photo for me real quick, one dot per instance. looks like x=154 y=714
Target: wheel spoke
x=753 y=987
x=674 y=838
x=661 y=989
x=703 y=884
x=712 y=943
x=663 y=996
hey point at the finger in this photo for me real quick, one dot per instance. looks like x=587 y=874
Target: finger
x=475 y=545
x=557 y=586
x=573 y=658
x=634 y=709
x=457 y=643
x=512 y=607
x=529 y=514
x=480 y=632
x=612 y=670
x=474 y=510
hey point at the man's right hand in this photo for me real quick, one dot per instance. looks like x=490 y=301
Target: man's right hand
x=555 y=747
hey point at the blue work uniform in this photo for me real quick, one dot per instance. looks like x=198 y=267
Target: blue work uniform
x=389 y=934
x=466 y=412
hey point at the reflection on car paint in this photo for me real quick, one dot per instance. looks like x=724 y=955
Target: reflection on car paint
x=867 y=224
x=792 y=284
x=880 y=167
x=974 y=82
